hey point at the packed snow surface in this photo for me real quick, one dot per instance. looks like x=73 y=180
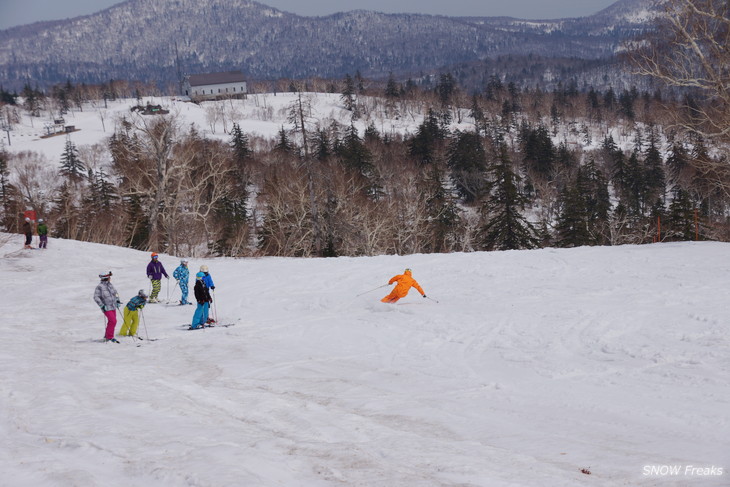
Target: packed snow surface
x=520 y=368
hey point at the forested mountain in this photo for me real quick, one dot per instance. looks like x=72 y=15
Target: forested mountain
x=142 y=39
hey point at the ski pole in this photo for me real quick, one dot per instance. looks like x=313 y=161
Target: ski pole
x=384 y=285
x=173 y=291
x=168 y=289
x=429 y=297
x=215 y=308
x=144 y=324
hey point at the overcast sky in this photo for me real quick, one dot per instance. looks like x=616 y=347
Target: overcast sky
x=18 y=12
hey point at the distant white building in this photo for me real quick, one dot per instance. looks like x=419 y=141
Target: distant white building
x=215 y=85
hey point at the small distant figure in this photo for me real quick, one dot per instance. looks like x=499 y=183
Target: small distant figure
x=131 y=314
x=182 y=275
x=42 y=234
x=405 y=282
x=155 y=271
x=28 y=231
x=202 y=296
x=108 y=300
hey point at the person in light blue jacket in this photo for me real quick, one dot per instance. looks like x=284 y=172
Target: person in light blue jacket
x=208 y=281
x=182 y=275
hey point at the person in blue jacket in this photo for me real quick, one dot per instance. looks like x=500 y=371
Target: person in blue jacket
x=210 y=285
x=207 y=279
x=202 y=296
x=155 y=271
x=182 y=275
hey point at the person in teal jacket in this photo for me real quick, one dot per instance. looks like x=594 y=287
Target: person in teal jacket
x=182 y=275
x=131 y=314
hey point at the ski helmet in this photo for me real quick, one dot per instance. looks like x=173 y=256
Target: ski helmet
x=184 y=262
x=199 y=275
x=40 y=220
x=105 y=277
x=154 y=255
x=142 y=294
x=408 y=269
x=203 y=268
x=27 y=219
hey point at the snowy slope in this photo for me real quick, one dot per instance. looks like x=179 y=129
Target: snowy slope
x=531 y=366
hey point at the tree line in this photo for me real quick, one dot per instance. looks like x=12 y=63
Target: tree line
x=320 y=188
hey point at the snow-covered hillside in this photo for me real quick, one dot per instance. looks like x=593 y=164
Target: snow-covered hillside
x=261 y=115
x=532 y=366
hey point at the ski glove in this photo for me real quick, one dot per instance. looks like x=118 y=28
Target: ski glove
x=212 y=288
x=424 y=295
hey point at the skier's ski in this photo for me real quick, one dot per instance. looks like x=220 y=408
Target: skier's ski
x=208 y=325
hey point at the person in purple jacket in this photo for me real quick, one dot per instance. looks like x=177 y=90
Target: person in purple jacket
x=155 y=271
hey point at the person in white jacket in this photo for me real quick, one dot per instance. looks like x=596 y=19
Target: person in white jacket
x=108 y=300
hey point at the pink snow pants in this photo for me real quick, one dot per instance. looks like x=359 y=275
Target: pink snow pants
x=111 y=323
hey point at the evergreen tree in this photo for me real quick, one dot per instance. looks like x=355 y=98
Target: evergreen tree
x=322 y=145
x=593 y=188
x=392 y=90
x=476 y=111
x=592 y=99
x=284 y=145
x=239 y=144
x=445 y=88
x=102 y=192
x=8 y=98
x=572 y=225
x=504 y=227
x=232 y=210
x=626 y=102
x=617 y=164
x=609 y=98
x=654 y=167
x=468 y=162
x=429 y=135
x=348 y=93
x=634 y=190
x=71 y=165
x=681 y=215
x=371 y=133
x=61 y=94
x=444 y=220
x=539 y=152
x=677 y=161
x=32 y=100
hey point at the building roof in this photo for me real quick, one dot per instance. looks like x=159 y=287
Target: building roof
x=215 y=78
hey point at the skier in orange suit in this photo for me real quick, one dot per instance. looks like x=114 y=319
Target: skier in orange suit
x=405 y=282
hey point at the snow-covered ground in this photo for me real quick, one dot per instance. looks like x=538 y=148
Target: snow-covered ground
x=261 y=115
x=532 y=366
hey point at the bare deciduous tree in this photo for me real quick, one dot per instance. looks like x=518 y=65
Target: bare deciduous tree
x=690 y=50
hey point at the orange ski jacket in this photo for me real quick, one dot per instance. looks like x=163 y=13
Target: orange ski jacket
x=405 y=282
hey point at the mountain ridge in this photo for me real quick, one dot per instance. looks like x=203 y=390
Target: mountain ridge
x=215 y=35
